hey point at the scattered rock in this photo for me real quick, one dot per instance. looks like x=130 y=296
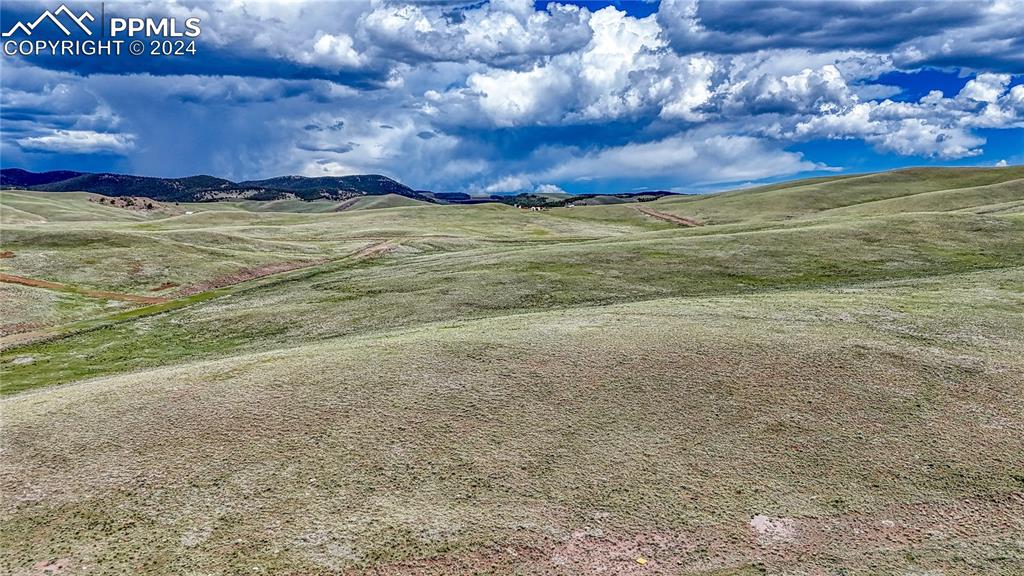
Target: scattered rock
x=772 y=531
x=195 y=537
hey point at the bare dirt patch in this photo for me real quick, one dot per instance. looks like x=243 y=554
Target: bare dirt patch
x=35 y=283
x=374 y=250
x=18 y=327
x=771 y=531
x=8 y=341
x=6 y=254
x=347 y=204
x=57 y=566
x=164 y=286
x=244 y=275
x=670 y=218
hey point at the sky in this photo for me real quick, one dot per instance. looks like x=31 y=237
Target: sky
x=517 y=96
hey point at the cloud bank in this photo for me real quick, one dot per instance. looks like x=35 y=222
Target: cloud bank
x=508 y=95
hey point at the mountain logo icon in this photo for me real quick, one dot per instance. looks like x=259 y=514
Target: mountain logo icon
x=27 y=29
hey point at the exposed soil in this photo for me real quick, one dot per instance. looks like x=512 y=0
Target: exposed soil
x=244 y=275
x=51 y=566
x=164 y=286
x=372 y=251
x=6 y=254
x=813 y=543
x=12 y=279
x=12 y=335
x=347 y=204
x=671 y=218
x=8 y=341
x=254 y=273
x=18 y=327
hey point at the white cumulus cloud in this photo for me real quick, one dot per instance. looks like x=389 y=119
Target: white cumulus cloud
x=79 y=142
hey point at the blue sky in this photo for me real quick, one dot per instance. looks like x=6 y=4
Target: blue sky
x=516 y=95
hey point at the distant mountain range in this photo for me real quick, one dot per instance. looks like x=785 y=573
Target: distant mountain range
x=208 y=188
x=211 y=189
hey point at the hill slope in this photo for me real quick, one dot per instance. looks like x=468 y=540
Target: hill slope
x=445 y=389
x=807 y=198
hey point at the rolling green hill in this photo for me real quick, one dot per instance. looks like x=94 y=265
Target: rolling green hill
x=807 y=198
x=815 y=377
x=385 y=201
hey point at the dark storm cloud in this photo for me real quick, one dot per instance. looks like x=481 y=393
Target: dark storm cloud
x=983 y=34
x=746 y=25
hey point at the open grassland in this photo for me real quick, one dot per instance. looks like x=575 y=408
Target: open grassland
x=830 y=382
x=812 y=197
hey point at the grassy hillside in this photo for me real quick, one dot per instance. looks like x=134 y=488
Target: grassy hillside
x=20 y=207
x=808 y=198
x=385 y=201
x=979 y=199
x=822 y=377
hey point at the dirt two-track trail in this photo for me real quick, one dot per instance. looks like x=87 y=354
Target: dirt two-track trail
x=246 y=274
x=35 y=283
x=374 y=250
x=670 y=218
